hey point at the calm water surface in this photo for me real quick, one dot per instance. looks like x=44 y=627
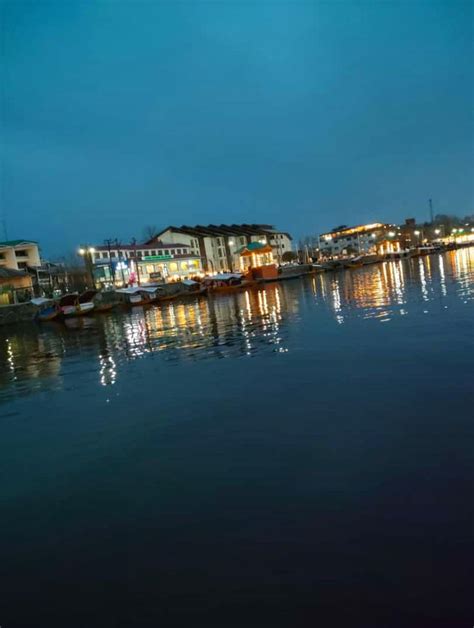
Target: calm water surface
x=297 y=455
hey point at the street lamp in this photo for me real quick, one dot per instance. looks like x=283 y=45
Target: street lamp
x=437 y=231
x=391 y=234
x=417 y=233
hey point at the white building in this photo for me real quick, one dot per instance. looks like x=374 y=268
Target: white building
x=355 y=240
x=144 y=263
x=19 y=254
x=217 y=244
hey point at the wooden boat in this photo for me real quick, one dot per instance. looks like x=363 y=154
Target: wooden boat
x=70 y=306
x=95 y=297
x=225 y=283
x=48 y=309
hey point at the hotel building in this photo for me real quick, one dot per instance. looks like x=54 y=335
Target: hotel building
x=218 y=245
x=356 y=240
x=120 y=264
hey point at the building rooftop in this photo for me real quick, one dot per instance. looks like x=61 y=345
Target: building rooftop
x=141 y=247
x=17 y=242
x=343 y=230
x=9 y=273
x=223 y=230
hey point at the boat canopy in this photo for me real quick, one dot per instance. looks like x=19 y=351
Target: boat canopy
x=135 y=289
x=41 y=301
x=87 y=296
x=189 y=282
x=68 y=299
x=225 y=276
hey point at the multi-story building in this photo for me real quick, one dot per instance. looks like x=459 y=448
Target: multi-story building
x=355 y=240
x=19 y=254
x=16 y=258
x=218 y=245
x=143 y=263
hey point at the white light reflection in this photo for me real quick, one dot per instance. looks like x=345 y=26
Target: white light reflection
x=108 y=370
x=442 y=276
x=424 y=290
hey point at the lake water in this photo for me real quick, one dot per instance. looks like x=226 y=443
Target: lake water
x=297 y=455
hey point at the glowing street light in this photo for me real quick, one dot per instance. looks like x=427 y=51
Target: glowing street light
x=417 y=233
x=437 y=231
x=391 y=234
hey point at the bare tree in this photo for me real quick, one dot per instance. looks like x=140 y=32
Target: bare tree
x=149 y=232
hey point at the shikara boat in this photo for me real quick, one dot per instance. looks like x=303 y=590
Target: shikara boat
x=70 y=306
x=48 y=310
x=95 y=297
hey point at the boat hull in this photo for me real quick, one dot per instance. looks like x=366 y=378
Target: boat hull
x=49 y=314
x=81 y=309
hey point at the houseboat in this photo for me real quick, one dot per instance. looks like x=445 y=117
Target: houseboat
x=223 y=283
x=138 y=295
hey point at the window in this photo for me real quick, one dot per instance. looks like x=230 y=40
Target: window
x=160 y=252
x=178 y=251
x=153 y=253
x=193 y=264
x=220 y=252
x=173 y=266
x=2 y=255
x=150 y=268
x=105 y=255
x=21 y=253
x=242 y=239
x=139 y=253
x=184 y=265
x=173 y=252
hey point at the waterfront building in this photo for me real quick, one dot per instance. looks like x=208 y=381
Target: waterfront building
x=356 y=240
x=17 y=257
x=19 y=254
x=218 y=245
x=119 y=264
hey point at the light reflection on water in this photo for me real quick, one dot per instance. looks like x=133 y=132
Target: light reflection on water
x=34 y=358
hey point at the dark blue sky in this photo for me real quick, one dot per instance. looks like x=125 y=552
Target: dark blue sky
x=303 y=114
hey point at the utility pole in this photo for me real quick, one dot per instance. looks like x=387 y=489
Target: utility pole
x=134 y=244
x=108 y=243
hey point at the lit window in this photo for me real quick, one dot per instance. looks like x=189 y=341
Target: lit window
x=150 y=268
x=173 y=266
x=184 y=266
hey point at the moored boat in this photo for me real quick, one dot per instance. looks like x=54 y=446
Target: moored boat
x=187 y=288
x=70 y=306
x=223 y=283
x=137 y=295
x=95 y=297
x=48 y=310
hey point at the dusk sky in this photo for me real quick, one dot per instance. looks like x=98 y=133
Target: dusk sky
x=305 y=115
